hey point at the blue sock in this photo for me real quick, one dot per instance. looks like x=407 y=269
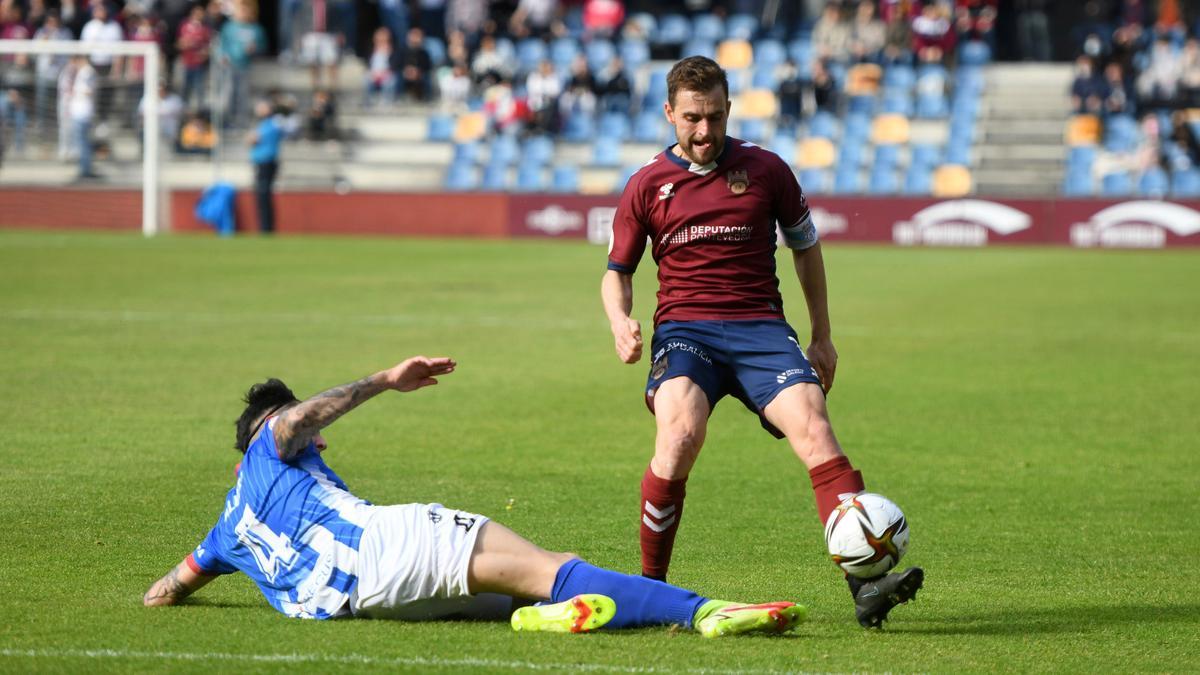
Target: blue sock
x=640 y=601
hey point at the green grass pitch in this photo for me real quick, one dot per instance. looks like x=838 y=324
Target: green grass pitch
x=1033 y=411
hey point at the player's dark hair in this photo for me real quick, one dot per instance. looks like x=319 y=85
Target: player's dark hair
x=262 y=398
x=695 y=73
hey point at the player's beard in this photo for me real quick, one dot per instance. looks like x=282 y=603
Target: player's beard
x=705 y=154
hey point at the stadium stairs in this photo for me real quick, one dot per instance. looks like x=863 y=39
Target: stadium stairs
x=1021 y=150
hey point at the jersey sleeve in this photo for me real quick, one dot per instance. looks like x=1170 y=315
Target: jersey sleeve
x=791 y=210
x=629 y=234
x=206 y=559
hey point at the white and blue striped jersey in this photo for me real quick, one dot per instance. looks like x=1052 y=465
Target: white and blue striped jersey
x=293 y=527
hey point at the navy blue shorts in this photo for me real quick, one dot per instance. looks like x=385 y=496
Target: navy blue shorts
x=750 y=360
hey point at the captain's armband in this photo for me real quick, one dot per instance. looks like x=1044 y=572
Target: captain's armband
x=800 y=236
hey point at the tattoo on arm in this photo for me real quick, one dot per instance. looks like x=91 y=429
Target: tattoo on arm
x=167 y=590
x=297 y=425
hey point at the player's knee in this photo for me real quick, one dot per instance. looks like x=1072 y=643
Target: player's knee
x=679 y=443
x=813 y=439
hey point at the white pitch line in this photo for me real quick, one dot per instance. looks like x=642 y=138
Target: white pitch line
x=352 y=659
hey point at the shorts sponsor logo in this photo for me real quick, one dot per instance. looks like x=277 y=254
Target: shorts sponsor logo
x=554 y=220
x=789 y=374
x=960 y=222
x=675 y=345
x=1138 y=224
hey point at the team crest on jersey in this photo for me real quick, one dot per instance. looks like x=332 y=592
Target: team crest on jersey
x=665 y=191
x=739 y=181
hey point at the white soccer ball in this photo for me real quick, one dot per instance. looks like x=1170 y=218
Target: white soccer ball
x=866 y=535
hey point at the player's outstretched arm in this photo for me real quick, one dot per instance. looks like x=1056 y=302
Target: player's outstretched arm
x=298 y=424
x=810 y=270
x=616 y=289
x=179 y=583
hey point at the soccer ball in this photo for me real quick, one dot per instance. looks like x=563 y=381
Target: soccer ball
x=866 y=535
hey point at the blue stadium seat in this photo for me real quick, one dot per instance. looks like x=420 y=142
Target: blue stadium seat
x=861 y=105
x=958 y=151
x=645 y=21
x=784 y=145
x=531 y=52
x=1118 y=184
x=1080 y=157
x=932 y=106
x=918 y=180
x=969 y=80
x=1120 y=133
x=886 y=156
x=699 y=47
x=466 y=152
x=742 y=27
x=899 y=76
x=764 y=77
x=896 y=102
x=673 y=29
x=974 y=53
x=1078 y=184
x=566 y=179
x=606 y=152
x=754 y=131
x=599 y=52
x=538 y=150
x=495 y=177
x=562 y=52
x=627 y=172
x=814 y=181
x=656 y=90
x=579 y=128
x=506 y=49
x=461 y=176
x=1185 y=183
x=769 y=53
x=635 y=53
x=850 y=154
x=1154 y=183
x=504 y=150
x=925 y=155
x=845 y=181
x=883 y=181
x=436 y=49
x=649 y=126
x=823 y=125
x=708 y=27
x=441 y=128
x=530 y=178
x=615 y=126
x=801 y=51
x=858 y=126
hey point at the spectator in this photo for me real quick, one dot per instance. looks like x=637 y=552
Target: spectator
x=533 y=18
x=67 y=148
x=13 y=114
x=170 y=114
x=1159 y=82
x=286 y=110
x=214 y=16
x=1087 y=91
x=1128 y=41
x=144 y=30
x=82 y=109
x=457 y=50
x=580 y=95
x=868 y=34
x=287 y=30
x=1189 y=82
x=36 y=16
x=47 y=67
x=197 y=136
x=791 y=96
x=322 y=117
x=13 y=27
x=542 y=89
x=1033 y=30
x=1117 y=100
x=193 y=42
x=104 y=65
x=264 y=144
x=173 y=14
x=831 y=35
x=506 y=112
x=1090 y=32
x=415 y=66
x=241 y=39
x=602 y=18
x=343 y=19
x=394 y=15
x=465 y=17
x=319 y=47
x=432 y=18
x=616 y=92
x=381 y=78
x=454 y=83
x=932 y=37
x=488 y=63
x=976 y=20
x=897 y=46
x=73 y=17
x=825 y=94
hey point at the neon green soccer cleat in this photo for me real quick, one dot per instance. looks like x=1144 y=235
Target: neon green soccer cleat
x=736 y=619
x=580 y=614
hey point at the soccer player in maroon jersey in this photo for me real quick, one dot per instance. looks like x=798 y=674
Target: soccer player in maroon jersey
x=708 y=206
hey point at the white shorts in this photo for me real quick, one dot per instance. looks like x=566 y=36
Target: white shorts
x=318 y=49
x=412 y=565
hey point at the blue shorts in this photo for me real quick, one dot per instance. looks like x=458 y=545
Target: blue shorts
x=750 y=360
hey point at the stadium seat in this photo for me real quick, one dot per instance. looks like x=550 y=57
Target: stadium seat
x=741 y=27
x=814 y=181
x=673 y=29
x=816 y=153
x=566 y=179
x=932 y=106
x=461 y=176
x=925 y=155
x=1078 y=183
x=530 y=178
x=699 y=47
x=951 y=180
x=599 y=53
x=635 y=53
x=1083 y=130
x=823 y=125
x=896 y=102
x=899 y=77
x=614 y=125
x=562 y=52
x=757 y=104
x=974 y=53
x=845 y=181
x=883 y=181
x=850 y=154
x=579 y=128
x=1154 y=183
x=735 y=54
x=1120 y=133
x=969 y=80
x=531 y=52
x=918 y=180
x=708 y=27
x=861 y=105
x=441 y=128
x=467 y=152
x=538 y=150
x=784 y=145
x=643 y=23
x=1081 y=157
x=495 y=177
x=886 y=156
x=764 y=77
x=504 y=150
x=753 y=130
x=606 y=152
x=436 y=50
x=801 y=51
x=958 y=151
x=1185 y=183
x=890 y=129
x=623 y=179
x=649 y=126
x=656 y=90
x=1118 y=184
x=769 y=53
x=858 y=127
x=863 y=79
x=470 y=127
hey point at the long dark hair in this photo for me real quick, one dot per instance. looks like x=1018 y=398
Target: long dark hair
x=262 y=397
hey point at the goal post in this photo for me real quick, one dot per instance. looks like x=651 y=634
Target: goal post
x=13 y=70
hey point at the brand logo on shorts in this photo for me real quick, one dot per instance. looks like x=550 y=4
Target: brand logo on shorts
x=738 y=180
x=787 y=374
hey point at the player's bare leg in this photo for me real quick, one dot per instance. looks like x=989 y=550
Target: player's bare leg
x=507 y=563
x=800 y=413
x=681 y=413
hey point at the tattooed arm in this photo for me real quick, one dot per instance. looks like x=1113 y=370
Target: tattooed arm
x=179 y=583
x=297 y=425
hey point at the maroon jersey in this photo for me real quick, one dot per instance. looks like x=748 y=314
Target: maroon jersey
x=712 y=232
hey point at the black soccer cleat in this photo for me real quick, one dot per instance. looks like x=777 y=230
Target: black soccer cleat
x=874 y=599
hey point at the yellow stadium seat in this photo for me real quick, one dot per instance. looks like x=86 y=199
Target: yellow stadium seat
x=1083 y=130
x=863 y=79
x=470 y=127
x=735 y=54
x=889 y=129
x=816 y=153
x=757 y=104
x=951 y=180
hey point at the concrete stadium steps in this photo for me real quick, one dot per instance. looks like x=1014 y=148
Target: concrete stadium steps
x=1020 y=149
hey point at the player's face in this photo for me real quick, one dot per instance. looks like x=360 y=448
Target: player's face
x=699 y=119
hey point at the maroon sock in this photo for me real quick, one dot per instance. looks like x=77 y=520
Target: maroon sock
x=662 y=507
x=832 y=482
